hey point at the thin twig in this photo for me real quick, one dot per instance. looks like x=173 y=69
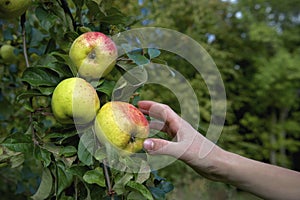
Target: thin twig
x=23 y=20
x=107 y=179
x=110 y=191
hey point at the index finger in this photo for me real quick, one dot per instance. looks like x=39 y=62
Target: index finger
x=161 y=112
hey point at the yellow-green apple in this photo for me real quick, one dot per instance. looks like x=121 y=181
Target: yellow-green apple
x=7 y=53
x=76 y=101
x=121 y=125
x=10 y=9
x=94 y=54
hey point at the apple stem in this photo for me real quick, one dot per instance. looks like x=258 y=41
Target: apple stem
x=23 y=20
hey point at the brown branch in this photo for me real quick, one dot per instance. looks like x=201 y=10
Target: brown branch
x=65 y=6
x=111 y=192
x=105 y=167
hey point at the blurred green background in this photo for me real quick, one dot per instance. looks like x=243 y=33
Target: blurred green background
x=256 y=47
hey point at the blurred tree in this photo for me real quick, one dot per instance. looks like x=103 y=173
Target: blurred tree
x=255 y=45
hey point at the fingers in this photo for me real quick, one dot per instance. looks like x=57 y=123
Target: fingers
x=160 y=147
x=157 y=125
x=153 y=109
x=161 y=112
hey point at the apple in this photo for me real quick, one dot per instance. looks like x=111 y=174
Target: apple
x=10 y=9
x=7 y=53
x=122 y=126
x=94 y=55
x=74 y=100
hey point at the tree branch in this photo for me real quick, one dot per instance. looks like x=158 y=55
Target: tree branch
x=107 y=180
x=23 y=20
x=65 y=6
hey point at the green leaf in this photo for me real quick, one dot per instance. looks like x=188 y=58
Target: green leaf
x=46 y=90
x=134 y=195
x=40 y=91
x=60 y=137
x=106 y=87
x=95 y=176
x=132 y=162
x=28 y=106
x=140 y=188
x=43 y=155
x=113 y=16
x=119 y=186
x=138 y=58
x=17 y=160
x=45 y=187
x=129 y=83
x=100 y=154
x=93 y=7
x=29 y=93
x=65 y=59
x=57 y=62
x=52 y=148
x=40 y=76
x=144 y=172
x=78 y=3
x=77 y=170
x=86 y=147
x=126 y=65
x=64 y=179
x=68 y=151
x=19 y=143
x=46 y=19
x=153 y=53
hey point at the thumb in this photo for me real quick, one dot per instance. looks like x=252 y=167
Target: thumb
x=158 y=146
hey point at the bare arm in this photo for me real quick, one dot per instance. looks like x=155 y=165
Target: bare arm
x=209 y=160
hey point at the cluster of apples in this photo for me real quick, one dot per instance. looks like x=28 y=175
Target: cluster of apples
x=76 y=101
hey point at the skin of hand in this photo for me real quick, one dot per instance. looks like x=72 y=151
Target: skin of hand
x=209 y=160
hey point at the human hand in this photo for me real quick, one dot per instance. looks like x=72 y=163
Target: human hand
x=187 y=145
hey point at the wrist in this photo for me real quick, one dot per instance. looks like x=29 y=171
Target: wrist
x=217 y=166
x=211 y=161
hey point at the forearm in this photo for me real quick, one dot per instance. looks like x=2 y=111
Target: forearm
x=265 y=180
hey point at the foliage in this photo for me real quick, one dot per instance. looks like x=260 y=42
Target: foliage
x=41 y=158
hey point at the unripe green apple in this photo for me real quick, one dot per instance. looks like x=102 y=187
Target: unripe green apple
x=75 y=101
x=10 y=9
x=121 y=125
x=94 y=55
x=7 y=53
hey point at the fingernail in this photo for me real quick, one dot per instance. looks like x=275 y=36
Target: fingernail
x=148 y=144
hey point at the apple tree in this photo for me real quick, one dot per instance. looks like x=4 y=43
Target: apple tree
x=41 y=158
